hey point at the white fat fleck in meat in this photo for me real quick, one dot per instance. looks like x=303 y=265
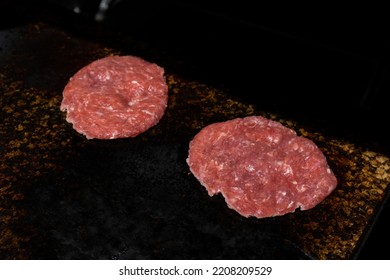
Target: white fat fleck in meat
x=114 y=134
x=236 y=178
x=138 y=88
x=222 y=134
x=202 y=172
x=251 y=124
x=301 y=188
x=147 y=112
x=259 y=212
x=280 y=196
x=237 y=190
x=218 y=165
x=266 y=198
x=290 y=204
x=250 y=168
x=235 y=194
x=132 y=102
x=130 y=119
x=246 y=143
x=286 y=169
x=273 y=139
x=272 y=153
x=104 y=76
x=295 y=145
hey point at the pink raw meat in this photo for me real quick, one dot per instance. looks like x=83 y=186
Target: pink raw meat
x=115 y=97
x=262 y=168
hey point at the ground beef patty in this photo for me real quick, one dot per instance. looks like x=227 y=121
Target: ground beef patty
x=115 y=97
x=262 y=168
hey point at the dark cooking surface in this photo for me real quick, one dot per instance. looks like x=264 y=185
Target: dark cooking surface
x=65 y=197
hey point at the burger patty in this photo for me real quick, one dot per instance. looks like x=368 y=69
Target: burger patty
x=262 y=168
x=115 y=97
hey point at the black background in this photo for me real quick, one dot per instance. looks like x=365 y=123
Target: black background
x=325 y=66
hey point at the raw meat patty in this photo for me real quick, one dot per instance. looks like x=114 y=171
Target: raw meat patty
x=115 y=97
x=261 y=167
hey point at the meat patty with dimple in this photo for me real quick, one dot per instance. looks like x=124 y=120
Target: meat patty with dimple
x=115 y=97
x=262 y=168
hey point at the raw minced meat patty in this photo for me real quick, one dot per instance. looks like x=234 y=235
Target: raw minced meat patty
x=115 y=97
x=261 y=167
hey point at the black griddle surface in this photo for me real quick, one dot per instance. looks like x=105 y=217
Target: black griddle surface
x=137 y=201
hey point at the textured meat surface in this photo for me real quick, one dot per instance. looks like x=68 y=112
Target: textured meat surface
x=261 y=167
x=115 y=97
